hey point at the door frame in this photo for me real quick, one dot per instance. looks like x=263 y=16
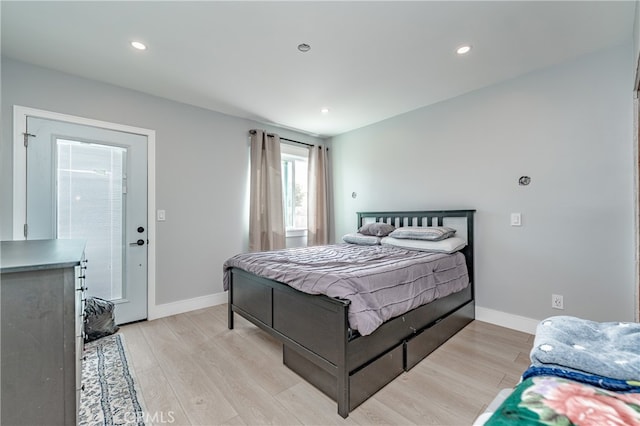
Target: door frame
x=20 y=114
x=636 y=179
x=636 y=195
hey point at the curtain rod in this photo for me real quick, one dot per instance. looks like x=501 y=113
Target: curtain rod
x=291 y=140
x=253 y=132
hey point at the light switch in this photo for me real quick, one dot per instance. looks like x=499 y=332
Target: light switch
x=516 y=219
x=161 y=216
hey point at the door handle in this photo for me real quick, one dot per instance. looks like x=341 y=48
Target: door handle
x=137 y=243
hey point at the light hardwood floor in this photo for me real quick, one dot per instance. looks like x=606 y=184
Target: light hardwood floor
x=192 y=370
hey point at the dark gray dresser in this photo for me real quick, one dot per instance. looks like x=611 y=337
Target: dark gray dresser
x=41 y=317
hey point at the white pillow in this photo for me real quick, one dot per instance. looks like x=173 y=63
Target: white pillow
x=449 y=245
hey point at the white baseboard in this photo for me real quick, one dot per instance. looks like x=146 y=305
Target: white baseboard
x=182 y=306
x=503 y=319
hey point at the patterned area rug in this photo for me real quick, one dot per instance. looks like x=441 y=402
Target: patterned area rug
x=110 y=395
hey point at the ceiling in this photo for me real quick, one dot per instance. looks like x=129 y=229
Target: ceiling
x=368 y=60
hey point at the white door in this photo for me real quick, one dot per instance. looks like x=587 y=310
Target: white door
x=91 y=183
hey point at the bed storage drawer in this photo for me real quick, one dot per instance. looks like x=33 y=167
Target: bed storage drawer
x=422 y=344
x=254 y=298
x=363 y=383
x=373 y=377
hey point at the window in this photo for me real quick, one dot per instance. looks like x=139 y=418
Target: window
x=90 y=205
x=294 y=186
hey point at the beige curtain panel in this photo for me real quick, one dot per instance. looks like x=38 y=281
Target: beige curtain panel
x=318 y=196
x=266 y=217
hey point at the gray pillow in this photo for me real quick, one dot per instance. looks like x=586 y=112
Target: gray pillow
x=361 y=239
x=429 y=233
x=379 y=229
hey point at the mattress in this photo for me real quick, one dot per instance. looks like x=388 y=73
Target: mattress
x=381 y=282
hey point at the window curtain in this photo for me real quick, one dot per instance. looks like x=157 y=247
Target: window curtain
x=266 y=217
x=318 y=193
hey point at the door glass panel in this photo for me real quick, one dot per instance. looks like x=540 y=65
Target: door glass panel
x=91 y=196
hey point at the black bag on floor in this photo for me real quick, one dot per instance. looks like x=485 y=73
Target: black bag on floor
x=99 y=319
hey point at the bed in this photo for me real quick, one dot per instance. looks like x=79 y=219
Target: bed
x=320 y=346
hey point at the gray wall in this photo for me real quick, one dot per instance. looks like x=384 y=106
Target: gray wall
x=201 y=170
x=636 y=33
x=568 y=127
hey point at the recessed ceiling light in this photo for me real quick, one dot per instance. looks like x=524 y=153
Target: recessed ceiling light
x=325 y=110
x=304 y=47
x=462 y=50
x=138 y=45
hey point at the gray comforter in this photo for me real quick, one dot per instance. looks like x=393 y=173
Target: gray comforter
x=381 y=282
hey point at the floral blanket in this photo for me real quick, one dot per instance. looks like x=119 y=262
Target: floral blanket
x=551 y=400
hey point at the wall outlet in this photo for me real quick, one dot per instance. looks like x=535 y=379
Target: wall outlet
x=516 y=219
x=557 y=301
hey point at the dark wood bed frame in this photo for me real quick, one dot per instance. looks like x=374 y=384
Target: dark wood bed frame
x=315 y=333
